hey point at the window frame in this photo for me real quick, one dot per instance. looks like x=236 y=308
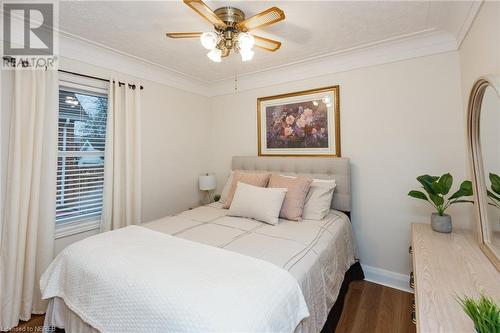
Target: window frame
x=78 y=84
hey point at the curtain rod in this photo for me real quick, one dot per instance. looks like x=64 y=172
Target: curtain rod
x=97 y=78
x=9 y=58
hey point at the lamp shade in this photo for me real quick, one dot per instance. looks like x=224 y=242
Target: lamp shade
x=207 y=182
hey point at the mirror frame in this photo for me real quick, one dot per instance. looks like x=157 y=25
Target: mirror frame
x=476 y=160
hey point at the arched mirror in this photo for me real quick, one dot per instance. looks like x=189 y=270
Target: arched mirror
x=484 y=143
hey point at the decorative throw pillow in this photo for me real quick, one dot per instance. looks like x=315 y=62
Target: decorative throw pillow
x=229 y=182
x=252 y=178
x=319 y=199
x=295 y=196
x=260 y=203
x=227 y=187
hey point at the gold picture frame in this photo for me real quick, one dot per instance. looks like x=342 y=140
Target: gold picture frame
x=304 y=123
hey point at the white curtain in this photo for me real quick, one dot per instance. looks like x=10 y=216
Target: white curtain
x=28 y=221
x=122 y=159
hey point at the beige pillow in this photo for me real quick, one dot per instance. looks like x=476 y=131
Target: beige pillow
x=227 y=187
x=319 y=199
x=260 y=203
x=295 y=196
x=229 y=182
x=252 y=178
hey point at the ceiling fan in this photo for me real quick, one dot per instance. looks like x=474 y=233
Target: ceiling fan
x=231 y=31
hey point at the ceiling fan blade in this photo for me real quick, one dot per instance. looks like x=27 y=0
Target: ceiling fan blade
x=184 y=34
x=266 y=43
x=203 y=10
x=265 y=18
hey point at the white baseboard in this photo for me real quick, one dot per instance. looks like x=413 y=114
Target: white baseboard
x=387 y=278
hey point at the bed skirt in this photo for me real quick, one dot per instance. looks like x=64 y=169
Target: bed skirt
x=355 y=273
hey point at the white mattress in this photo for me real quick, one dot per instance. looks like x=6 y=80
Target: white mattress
x=316 y=253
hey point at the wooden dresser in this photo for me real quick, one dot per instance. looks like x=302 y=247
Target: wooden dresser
x=444 y=266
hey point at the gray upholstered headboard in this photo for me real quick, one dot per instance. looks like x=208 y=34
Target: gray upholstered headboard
x=337 y=168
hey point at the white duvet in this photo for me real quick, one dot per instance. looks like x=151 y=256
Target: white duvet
x=138 y=280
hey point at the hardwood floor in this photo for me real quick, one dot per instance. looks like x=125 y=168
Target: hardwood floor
x=368 y=308
x=372 y=308
x=35 y=324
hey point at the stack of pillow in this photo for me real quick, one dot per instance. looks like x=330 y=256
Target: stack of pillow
x=268 y=196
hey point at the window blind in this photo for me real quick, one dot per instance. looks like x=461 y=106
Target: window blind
x=80 y=166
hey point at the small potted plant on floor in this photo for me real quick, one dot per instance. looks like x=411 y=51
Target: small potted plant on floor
x=436 y=189
x=484 y=312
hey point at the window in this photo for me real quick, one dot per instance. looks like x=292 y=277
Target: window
x=80 y=163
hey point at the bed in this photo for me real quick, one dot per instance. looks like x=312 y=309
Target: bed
x=320 y=255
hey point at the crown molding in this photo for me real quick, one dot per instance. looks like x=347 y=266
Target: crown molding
x=424 y=44
x=80 y=49
x=70 y=46
x=469 y=19
x=329 y=54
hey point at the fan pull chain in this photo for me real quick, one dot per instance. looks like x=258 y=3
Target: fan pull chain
x=235 y=82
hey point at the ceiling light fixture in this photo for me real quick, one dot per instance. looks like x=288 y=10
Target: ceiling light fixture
x=209 y=40
x=231 y=31
x=220 y=45
x=245 y=44
x=245 y=41
x=215 y=55
x=246 y=54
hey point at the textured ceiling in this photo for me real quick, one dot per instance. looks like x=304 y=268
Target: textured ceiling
x=311 y=29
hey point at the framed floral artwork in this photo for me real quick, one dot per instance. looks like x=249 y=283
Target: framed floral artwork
x=305 y=123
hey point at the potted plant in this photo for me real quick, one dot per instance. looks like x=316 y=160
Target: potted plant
x=436 y=189
x=484 y=312
x=494 y=194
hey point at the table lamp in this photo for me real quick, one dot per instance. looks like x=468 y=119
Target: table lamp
x=207 y=183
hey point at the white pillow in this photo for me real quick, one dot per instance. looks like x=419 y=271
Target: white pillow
x=227 y=187
x=260 y=203
x=318 y=199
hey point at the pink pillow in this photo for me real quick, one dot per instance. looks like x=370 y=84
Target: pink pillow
x=295 y=196
x=255 y=179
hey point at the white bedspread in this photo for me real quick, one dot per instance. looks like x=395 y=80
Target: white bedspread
x=139 y=280
x=316 y=253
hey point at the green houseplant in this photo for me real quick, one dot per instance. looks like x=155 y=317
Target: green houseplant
x=494 y=194
x=436 y=190
x=484 y=312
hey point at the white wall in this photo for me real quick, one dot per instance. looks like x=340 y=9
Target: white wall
x=398 y=121
x=480 y=49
